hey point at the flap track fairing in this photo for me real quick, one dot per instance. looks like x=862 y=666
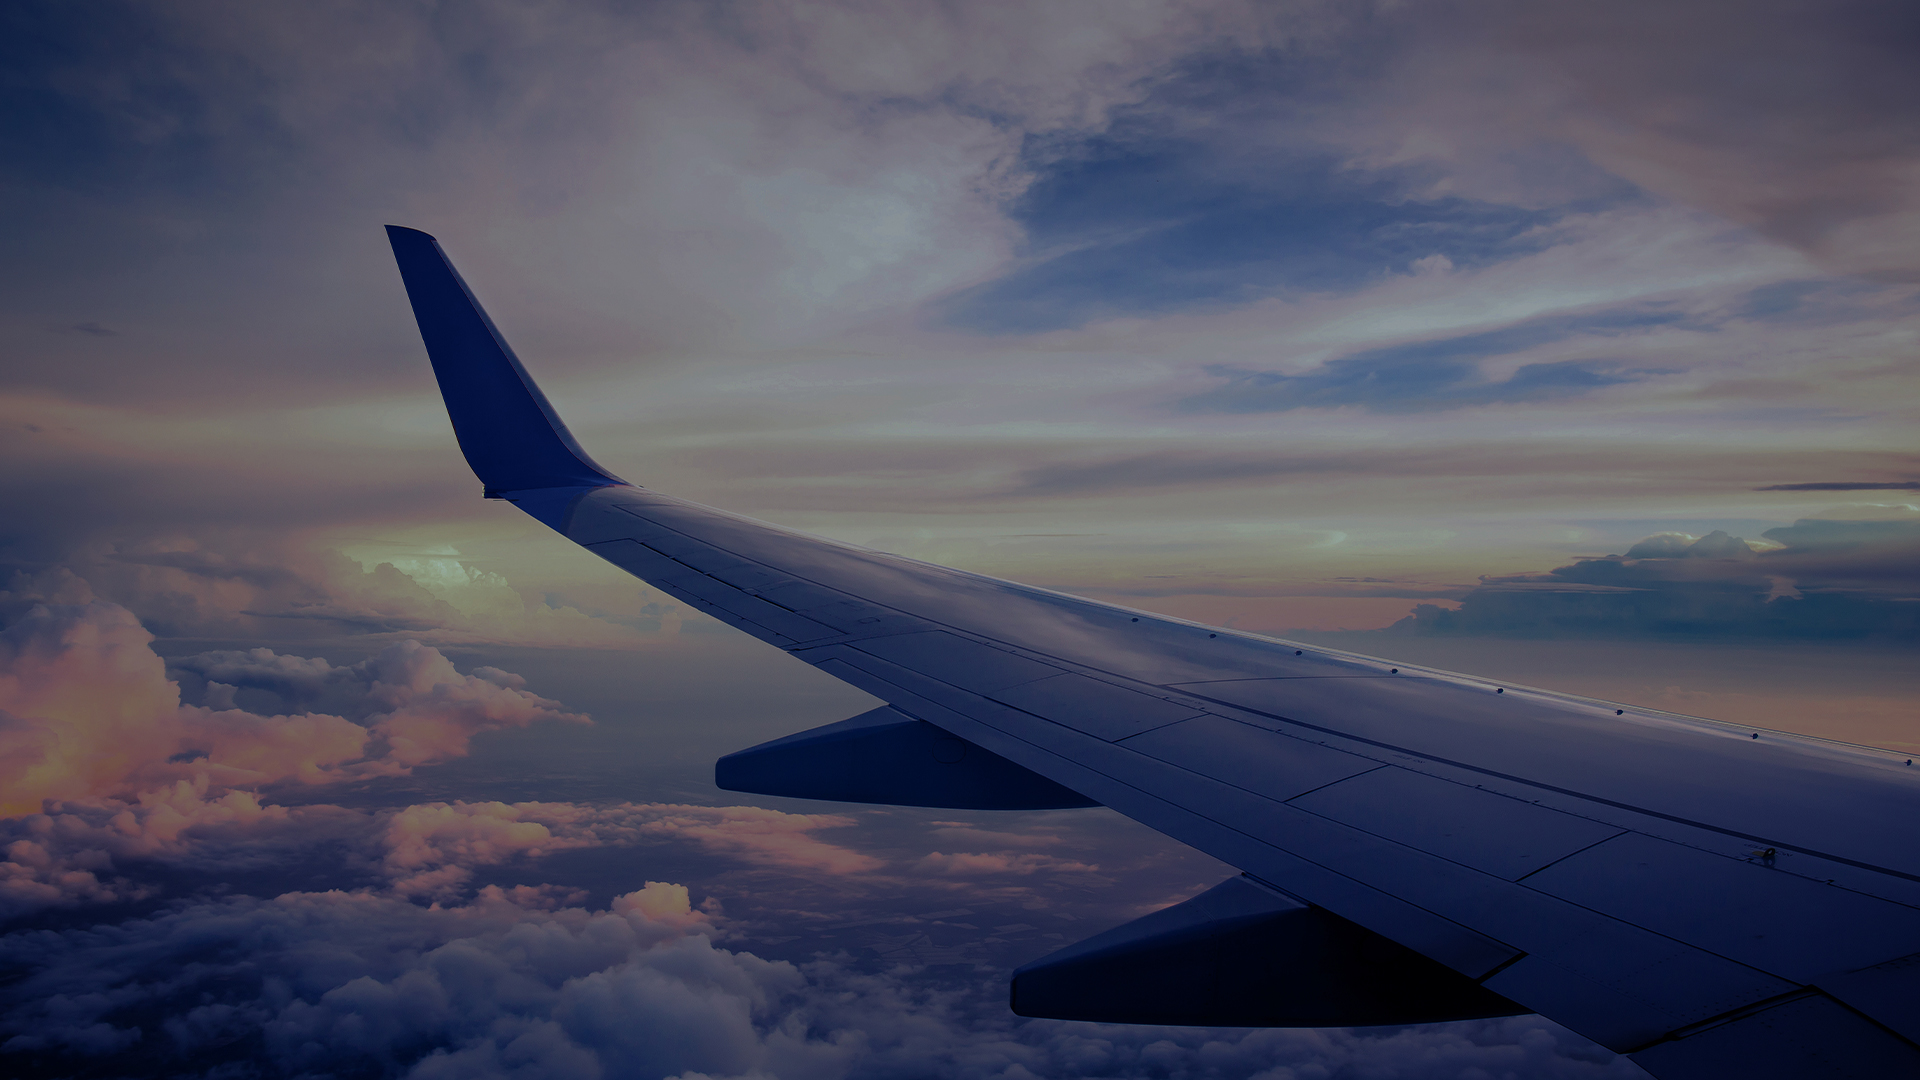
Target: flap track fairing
x=886 y=756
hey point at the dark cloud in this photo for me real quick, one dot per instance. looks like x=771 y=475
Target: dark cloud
x=1197 y=585
x=1333 y=157
x=1557 y=465
x=1792 y=116
x=1444 y=373
x=1846 y=485
x=1827 y=579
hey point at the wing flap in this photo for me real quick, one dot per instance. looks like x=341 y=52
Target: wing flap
x=1241 y=955
x=1497 y=834
x=1268 y=763
x=957 y=661
x=1804 y=1037
x=1764 y=915
x=1780 y=789
x=886 y=756
x=1889 y=993
x=1100 y=709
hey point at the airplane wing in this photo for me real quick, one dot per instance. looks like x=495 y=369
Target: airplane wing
x=1418 y=845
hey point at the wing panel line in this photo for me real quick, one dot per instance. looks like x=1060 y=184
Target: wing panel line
x=1601 y=800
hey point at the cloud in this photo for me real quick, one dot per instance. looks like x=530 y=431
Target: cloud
x=96 y=716
x=433 y=849
x=1846 y=485
x=811 y=167
x=1848 y=575
x=313 y=982
x=291 y=586
x=1445 y=373
x=1132 y=224
x=102 y=761
x=1678 y=545
x=659 y=201
x=509 y=985
x=998 y=853
x=1781 y=117
x=1426 y=474
x=967 y=863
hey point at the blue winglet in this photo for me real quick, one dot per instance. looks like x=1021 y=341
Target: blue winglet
x=509 y=433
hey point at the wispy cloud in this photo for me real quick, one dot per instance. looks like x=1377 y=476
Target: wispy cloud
x=1846 y=485
x=1116 y=229
x=1445 y=373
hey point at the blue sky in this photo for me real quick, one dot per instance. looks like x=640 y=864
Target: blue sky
x=1400 y=326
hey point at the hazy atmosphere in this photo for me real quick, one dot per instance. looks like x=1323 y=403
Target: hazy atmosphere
x=1576 y=345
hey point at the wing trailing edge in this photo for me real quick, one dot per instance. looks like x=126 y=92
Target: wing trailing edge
x=1241 y=955
x=886 y=756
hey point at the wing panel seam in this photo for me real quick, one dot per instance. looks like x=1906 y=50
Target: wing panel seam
x=1675 y=818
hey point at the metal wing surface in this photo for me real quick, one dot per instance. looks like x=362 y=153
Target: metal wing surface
x=1714 y=900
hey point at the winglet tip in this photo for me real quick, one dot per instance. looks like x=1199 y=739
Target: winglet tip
x=400 y=230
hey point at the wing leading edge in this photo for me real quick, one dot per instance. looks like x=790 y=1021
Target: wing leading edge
x=1713 y=900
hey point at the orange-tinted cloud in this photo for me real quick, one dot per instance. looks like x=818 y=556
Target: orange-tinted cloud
x=433 y=848
x=100 y=759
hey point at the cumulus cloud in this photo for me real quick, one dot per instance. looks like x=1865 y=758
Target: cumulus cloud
x=96 y=716
x=101 y=759
x=1847 y=574
x=106 y=763
x=314 y=983
x=311 y=982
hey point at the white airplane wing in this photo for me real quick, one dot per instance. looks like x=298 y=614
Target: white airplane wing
x=1418 y=845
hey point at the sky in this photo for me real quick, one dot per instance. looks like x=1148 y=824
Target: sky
x=1576 y=345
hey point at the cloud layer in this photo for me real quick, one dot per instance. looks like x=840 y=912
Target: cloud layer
x=1848 y=575
x=330 y=983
